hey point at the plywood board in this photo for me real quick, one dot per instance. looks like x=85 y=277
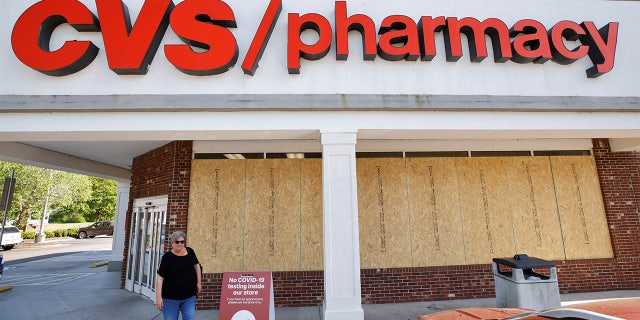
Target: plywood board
x=384 y=225
x=436 y=224
x=536 y=224
x=488 y=230
x=272 y=223
x=267 y=214
x=216 y=213
x=311 y=215
x=583 y=220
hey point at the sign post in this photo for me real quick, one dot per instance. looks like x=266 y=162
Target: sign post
x=247 y=296
x=7 y=196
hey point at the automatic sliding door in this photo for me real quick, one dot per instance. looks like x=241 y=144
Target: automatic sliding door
x=146 y=245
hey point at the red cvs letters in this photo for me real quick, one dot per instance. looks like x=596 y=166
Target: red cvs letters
x=129 y=48
x=204 y=24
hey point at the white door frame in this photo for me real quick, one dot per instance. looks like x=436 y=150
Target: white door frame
x=146 y=244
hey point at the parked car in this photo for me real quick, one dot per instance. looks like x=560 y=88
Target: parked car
x=96 y=229
x=11 y=237
x=624 y=308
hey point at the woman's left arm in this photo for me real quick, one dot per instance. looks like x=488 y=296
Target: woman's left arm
x=198 y=277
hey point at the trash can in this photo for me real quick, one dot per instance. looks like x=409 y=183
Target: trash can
x=519 y=286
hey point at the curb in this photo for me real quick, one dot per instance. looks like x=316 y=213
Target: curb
x=48 y=241
x=5 y=288
x=99 y=264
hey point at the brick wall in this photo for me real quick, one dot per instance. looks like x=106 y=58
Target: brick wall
x=178 y=202
x=166 y=170
x=619 y=174
x=426 y=284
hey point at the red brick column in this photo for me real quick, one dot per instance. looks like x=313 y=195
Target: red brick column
x=162 y=171
x=620 y=184
x=179 y=182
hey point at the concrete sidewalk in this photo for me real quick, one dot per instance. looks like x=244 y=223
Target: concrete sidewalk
x=94 y=293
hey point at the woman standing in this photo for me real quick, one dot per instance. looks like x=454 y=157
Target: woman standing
x=179 y=280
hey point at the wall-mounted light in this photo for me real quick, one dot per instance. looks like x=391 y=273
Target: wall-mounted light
x=295 y=155
x=234 y=156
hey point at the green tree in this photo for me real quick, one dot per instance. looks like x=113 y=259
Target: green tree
x=30 y=190
x=102 y=202
x=39 y=187
x=99 y=205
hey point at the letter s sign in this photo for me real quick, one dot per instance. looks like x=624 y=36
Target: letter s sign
x=203 y=24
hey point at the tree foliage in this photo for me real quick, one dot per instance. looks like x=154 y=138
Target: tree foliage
x=69 y=197
x=99 y=205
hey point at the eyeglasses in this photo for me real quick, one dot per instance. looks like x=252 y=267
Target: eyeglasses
x=179 y=241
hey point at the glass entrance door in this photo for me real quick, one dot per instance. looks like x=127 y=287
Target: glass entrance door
x=146 y=244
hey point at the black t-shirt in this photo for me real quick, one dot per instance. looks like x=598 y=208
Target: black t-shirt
x=180 y=280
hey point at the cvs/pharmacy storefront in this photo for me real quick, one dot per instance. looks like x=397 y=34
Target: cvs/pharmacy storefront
x=364 y=152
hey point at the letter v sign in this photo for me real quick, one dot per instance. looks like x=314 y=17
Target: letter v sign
x=130 y=50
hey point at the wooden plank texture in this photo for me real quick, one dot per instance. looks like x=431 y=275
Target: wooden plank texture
x=536 y=224
x=383 y=213
x=486 y=217
x=436 y=223
x=216 y=213
x=584 y=224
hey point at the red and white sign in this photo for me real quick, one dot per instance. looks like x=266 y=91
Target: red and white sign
x=283 y=48
x=247 y=296
x=205 y=24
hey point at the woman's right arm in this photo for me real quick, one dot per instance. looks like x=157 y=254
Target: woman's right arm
x=159 y=281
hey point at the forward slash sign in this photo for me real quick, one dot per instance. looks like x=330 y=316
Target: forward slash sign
x=261 y=38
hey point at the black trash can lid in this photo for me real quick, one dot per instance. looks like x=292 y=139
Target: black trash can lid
x=523 y=261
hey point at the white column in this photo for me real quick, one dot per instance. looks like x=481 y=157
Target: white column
x=117 y=246
x=341 y=236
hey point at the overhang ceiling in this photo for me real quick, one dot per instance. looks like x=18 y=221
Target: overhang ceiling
x=105 y=144
x=113 y=159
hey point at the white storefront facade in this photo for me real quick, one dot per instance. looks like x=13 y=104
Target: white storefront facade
x=341 y=80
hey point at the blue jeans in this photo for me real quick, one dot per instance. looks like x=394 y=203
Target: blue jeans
x=171 y=308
